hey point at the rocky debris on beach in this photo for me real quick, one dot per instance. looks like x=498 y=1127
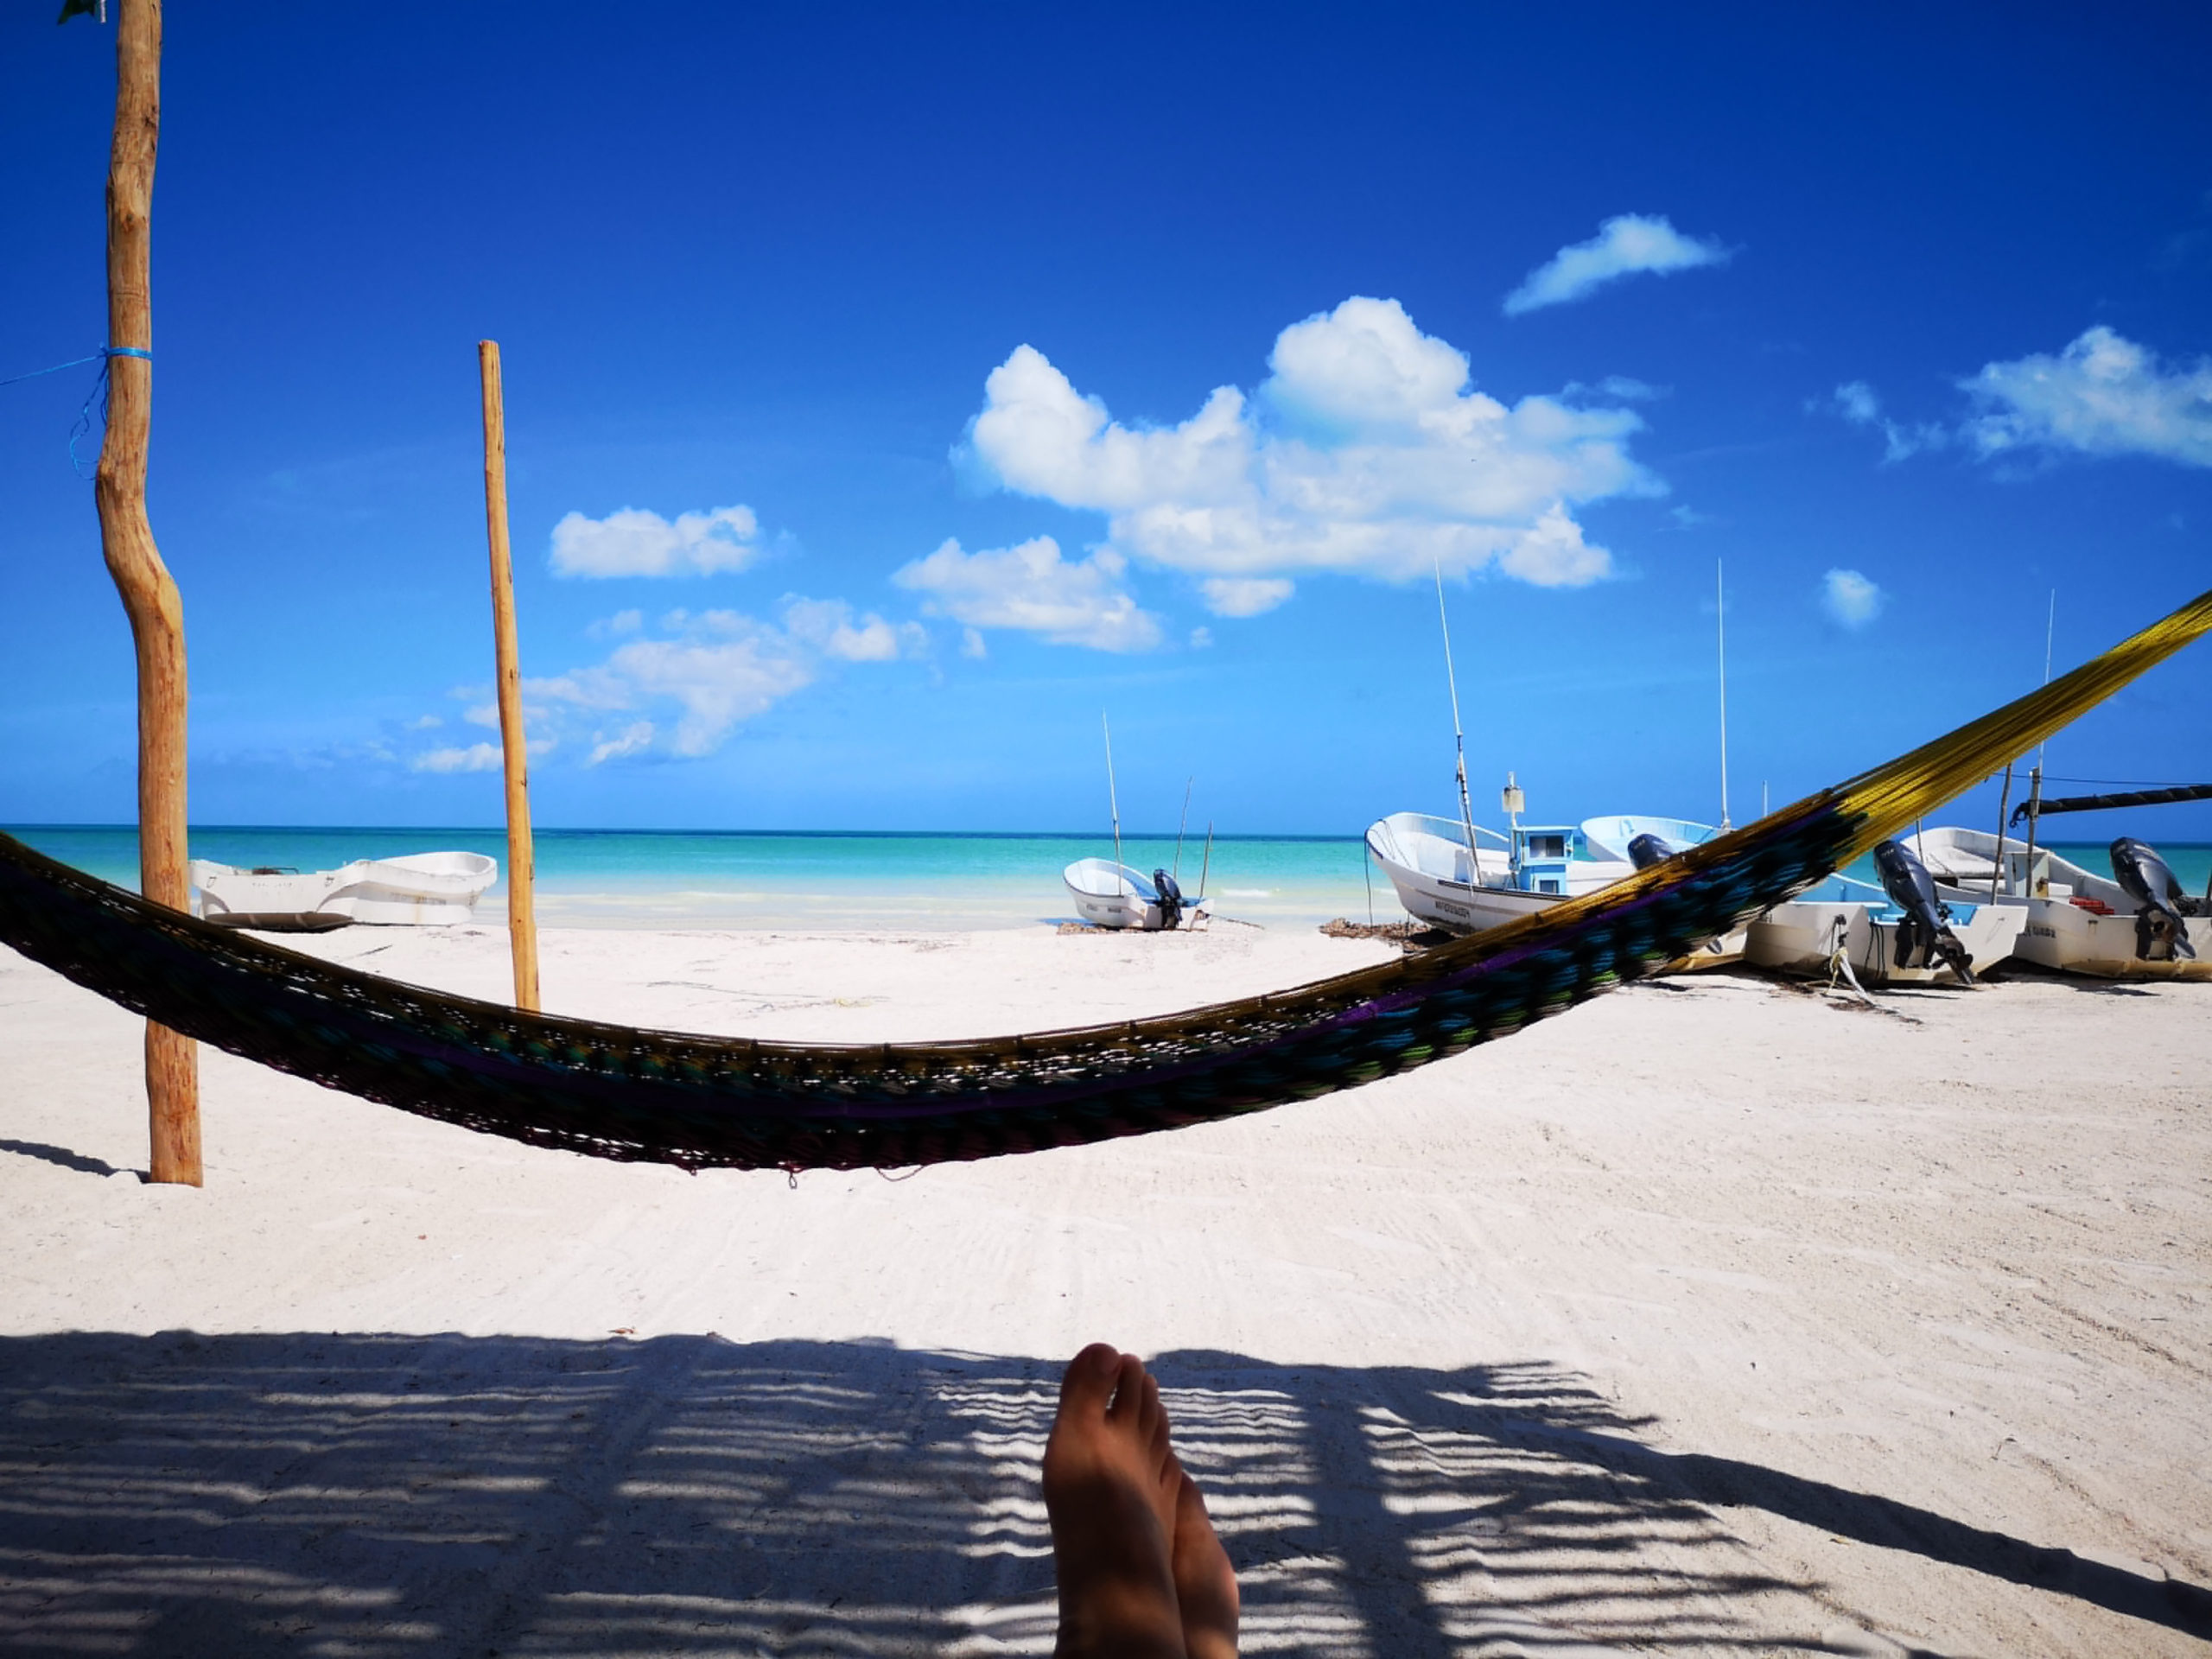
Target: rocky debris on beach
x=1412 y=934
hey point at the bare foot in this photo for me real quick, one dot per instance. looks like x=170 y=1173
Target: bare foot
x=1111 y=1489
x=1205 y=1583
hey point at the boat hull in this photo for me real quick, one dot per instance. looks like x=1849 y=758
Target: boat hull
x=2061 y=935
x=1801 y=937
x=418 y=890
x=1107 y=894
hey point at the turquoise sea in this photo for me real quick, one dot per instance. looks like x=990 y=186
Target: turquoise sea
x=722 y=879
x=620 y=878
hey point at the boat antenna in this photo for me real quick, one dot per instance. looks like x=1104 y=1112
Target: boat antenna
x=1185 y=824
x=1113 y=800
x=1458 y=736
x=2050 y=627
x=1720 y=619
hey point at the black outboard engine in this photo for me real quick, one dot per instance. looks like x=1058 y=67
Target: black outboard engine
x=1171 y=899
x=1924 y=935
x=1647 y=849
x=2160 y=933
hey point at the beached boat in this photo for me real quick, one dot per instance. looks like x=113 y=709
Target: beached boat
x=1441 y=880
x=1108 y=894
x=1846 y=921
x=418 y=889
x=2074 y=920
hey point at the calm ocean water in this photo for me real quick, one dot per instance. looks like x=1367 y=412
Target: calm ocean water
x=594 y=878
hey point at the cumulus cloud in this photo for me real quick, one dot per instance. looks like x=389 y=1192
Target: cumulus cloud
x=1623 y=246
x=1365 y=451
x=1851 y=599
x=1856 y=402
x=636 y=736
x=1032 y=589
x=477 y=756
x=723 y=668
x=681 y=686
x=2103 y=395
x=636 y=543
x=1244 y=595
x=828 y=624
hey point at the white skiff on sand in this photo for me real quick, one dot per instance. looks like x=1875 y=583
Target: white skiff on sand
x=420 y=889
x=1108 y=894
x=2076 y=920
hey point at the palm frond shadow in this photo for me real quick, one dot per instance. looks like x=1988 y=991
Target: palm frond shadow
x=397 y=1497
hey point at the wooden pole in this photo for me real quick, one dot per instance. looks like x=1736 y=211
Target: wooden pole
x=149 y=595
x=522 y=917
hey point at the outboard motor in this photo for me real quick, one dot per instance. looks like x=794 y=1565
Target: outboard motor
x=2160 y=933
x=1647 y=849
x=1924 y=935
x=1171 y=899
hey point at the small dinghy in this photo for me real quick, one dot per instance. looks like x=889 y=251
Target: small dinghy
x=422 y=889
x=1108 y=894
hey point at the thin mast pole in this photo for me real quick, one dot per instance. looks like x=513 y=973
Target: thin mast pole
x=150 y=595
x=1721 y=618
x=1206 y=868
x=1459 y=737
x=522 y=872
x=1113 y=800
x=2004 y=805
x=2035 y=817
x=2049 y=628
x=1185 y=824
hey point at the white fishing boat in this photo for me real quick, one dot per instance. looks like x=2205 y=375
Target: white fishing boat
x=1844 y=921
x=1444 y=876
x=420 y=889
x=1108 y=894
x=1439 y=880
x=2073 y=919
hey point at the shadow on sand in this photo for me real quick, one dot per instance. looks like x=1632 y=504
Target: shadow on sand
x=400 y=1496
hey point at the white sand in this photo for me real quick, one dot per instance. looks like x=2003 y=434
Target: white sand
x=1712 y=1317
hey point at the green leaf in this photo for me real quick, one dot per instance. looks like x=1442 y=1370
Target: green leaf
x=79 y=8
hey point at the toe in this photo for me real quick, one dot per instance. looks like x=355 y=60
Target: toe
x=1088 y=1383
x=1129 y=1391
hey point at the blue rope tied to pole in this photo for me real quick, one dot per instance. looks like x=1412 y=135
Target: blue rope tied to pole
x=83 y=423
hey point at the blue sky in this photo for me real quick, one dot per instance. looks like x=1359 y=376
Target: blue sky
x=891 y=392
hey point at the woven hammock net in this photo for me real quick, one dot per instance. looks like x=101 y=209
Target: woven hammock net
x=614 y=1091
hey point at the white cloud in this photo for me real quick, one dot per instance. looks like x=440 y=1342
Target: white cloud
x=1245 y=595
x=2103 y=395
x=1031 y=588
x=1851 y=598
x=971 y=644
x=724 y=670
x=1365 y=453
x=1856 y=402
x=637 y=543
x=1201 y=638
x=637 y=735
x=828 y=625
x=426 y=724
x=477 y=756
x=1623 y=246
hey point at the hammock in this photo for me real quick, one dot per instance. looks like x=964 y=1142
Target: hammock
x=611 y=1091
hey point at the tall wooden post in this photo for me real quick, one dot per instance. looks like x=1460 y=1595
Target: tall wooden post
x=522 y=918
x=150 y=596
